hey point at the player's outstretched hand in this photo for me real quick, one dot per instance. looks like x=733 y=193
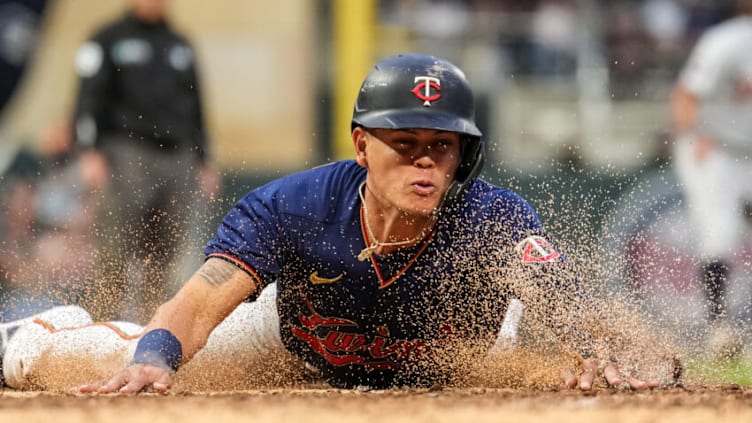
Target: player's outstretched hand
x=136 y=378
x=591 y=369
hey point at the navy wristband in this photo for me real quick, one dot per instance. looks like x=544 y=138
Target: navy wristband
x=159 y=347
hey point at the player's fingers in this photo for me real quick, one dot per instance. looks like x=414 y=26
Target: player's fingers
x=637 y=384
x=589 y=372
x=586 y=379
x=640 y=385
x=85 y=389
x=569 y=378
x=145 y=377
x=159 y=387
x=163 y=383
x=142 y=377
x=120 y=379
x=611 y=373
x=134 y=386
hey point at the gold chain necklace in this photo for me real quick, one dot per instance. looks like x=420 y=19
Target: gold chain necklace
x=366 y=252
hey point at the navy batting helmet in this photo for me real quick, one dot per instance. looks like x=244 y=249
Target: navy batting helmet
x=423 y=92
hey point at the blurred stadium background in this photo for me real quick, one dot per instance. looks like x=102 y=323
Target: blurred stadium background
x=582 y=79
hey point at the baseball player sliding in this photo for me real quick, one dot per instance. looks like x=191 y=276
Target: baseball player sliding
x=372 y=272
x=712 y=109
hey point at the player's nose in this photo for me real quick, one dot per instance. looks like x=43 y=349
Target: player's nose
x=424 y=160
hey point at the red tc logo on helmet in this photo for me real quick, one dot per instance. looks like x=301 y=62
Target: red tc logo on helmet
x=427 y=89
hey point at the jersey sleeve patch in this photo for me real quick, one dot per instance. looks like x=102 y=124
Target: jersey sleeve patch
x=536 y=249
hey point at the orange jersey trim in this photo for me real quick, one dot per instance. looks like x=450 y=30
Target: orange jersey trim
x=52 y=329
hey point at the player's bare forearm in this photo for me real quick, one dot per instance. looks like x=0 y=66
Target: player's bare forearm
x=204 y=301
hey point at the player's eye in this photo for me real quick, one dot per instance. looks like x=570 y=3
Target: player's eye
x=443 y=145
x=403 y=143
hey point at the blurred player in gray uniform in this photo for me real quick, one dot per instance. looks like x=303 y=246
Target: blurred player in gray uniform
x=712 y=112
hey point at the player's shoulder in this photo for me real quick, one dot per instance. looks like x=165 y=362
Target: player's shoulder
x=498 y=212
x=109 y=29
x=742 y=24
x=92 y=54
x=732 y=31
x=177 y=35
x=332 y=175
x=316 y=192
x=486 y=193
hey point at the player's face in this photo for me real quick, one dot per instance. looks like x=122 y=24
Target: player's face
x=408 y=169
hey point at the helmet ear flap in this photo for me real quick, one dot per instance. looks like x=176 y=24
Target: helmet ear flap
x=469 y=168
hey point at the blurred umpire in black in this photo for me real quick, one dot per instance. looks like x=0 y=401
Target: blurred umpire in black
x=138 y=119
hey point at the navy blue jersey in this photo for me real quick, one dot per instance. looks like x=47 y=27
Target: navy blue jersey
x=393 y=319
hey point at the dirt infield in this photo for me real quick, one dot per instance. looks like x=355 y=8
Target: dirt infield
x=686 y=405
x=515 y=386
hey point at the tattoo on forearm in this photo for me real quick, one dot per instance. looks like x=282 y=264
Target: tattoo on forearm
x=217 y=272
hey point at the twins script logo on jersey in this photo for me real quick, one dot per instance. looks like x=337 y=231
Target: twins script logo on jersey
x=536 y=249
x=427 y=89
x=339 y=342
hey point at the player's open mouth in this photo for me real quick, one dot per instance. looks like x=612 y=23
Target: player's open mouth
x=423 y=188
